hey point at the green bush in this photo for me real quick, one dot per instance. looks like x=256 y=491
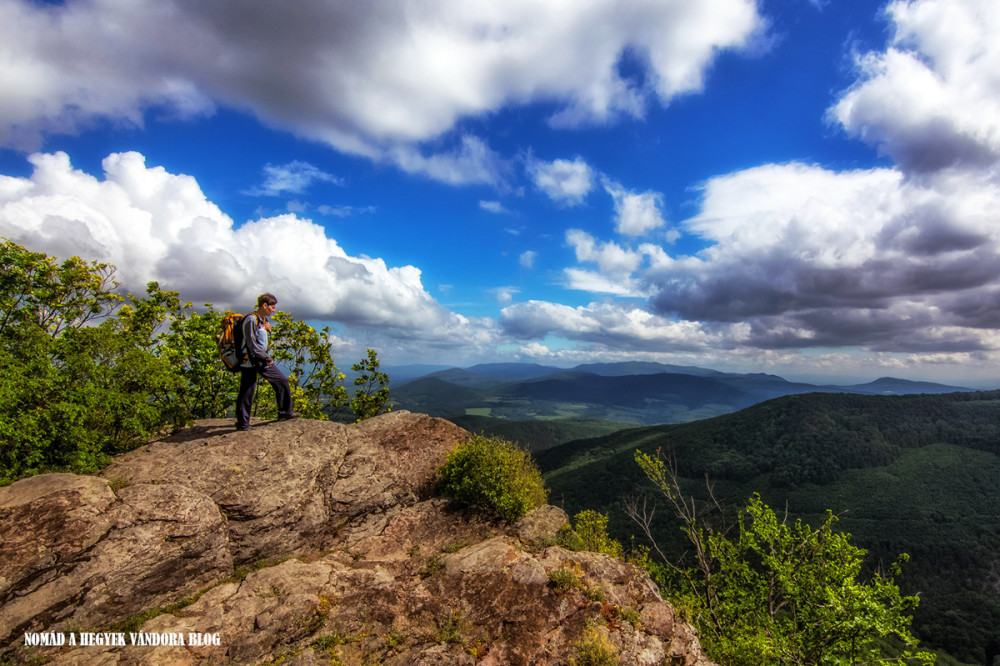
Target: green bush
x=777 y=593
x=592 y=529
x=594 y=648
x=565 y=580
x=493 y=474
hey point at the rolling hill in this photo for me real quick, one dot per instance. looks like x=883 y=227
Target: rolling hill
x=637 y=393
x=916 y=474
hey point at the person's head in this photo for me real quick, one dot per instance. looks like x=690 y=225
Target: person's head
x=267 y=303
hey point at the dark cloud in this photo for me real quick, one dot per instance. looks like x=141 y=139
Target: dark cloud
x=878 y=304
x=935 y=145
x=975 y=309
x=929 y=99
x=373 y=78
x=810 y=258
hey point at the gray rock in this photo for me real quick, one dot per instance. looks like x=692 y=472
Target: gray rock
x=72 y=554
x=287 y=488
x=364 y=565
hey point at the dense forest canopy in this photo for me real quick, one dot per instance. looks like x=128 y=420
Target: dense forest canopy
x=916 y=474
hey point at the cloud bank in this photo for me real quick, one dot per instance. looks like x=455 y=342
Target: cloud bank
x=154 y=225
x=899 y=260
x=376 y=79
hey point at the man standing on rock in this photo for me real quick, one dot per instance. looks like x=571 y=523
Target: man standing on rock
x=256 y=328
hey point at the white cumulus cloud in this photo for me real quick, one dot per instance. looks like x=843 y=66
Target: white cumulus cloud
x=931 y=100
x=564 y=181
x=635 y=213
x=376 y=79
x=154 y=225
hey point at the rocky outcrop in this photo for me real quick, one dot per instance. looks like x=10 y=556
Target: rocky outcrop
x=72 y=554
x=301 y=541
x=288 y=488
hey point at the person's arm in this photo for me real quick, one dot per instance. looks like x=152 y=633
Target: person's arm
x=255 y=350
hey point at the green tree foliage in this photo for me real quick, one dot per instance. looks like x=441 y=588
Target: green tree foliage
x=86 y=373
x=492 y=474
x=781 y=594
x=73 y=391
x=372 y=396
x=35 y=289
x=591 y=527
x=304 y=354
x=207 y=389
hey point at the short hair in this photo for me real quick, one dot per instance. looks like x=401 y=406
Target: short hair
x=266 y=298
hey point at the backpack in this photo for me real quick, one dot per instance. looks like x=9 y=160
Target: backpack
x=229 y=341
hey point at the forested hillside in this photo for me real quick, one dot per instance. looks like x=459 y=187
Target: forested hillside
x=918 y=474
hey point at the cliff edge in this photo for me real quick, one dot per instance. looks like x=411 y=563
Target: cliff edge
x=306 y=542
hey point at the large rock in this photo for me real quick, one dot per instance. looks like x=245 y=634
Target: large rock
x=287 y=488
x=363 y=563
x=490 y=603
x=73 y=554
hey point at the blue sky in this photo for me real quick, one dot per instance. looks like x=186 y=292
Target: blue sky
x=801 y=187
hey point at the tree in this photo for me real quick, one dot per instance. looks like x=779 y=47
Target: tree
x=316 y=383
x=777 y=593
x=372 y=398
x=73 y=391
x=55 y=297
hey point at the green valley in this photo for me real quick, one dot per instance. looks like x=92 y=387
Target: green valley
x=917 y=474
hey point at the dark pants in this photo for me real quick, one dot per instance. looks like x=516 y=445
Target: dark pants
x=248 y=385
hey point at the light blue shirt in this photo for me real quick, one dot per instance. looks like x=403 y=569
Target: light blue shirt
x=255 y=340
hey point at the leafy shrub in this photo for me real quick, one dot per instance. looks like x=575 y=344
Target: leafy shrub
x=493 y=474
x=431 y=566
x=590 y=533
x=592 y=528
x=569 y=539
x=451 y=628
x=565 y=580
x=594 y=649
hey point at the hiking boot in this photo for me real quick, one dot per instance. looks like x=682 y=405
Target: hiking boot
x=288 y=417
x=242 y=427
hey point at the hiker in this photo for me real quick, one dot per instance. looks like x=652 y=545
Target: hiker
x=256 y=328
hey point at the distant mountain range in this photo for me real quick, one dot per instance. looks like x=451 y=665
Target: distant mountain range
x=630 y=392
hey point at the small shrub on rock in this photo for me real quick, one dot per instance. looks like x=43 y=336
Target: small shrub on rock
x=565 y=580
x=594 y=649
x=493 y=474
x=592 y=529
x=590 y=533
